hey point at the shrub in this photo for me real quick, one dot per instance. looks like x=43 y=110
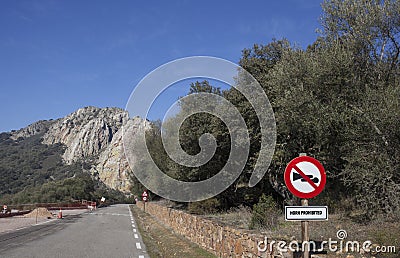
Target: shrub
x=204 y=207
x=265 y=213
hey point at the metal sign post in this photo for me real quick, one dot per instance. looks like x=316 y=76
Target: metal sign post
x=305 y=236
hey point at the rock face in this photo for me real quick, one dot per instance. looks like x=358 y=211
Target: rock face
x=36 y=128
x=86 y=132
x=112 y=167
x=92 y=135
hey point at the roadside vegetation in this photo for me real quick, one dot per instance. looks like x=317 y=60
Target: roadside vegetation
x=338 y=100
x=81 y=187
x=381 y=231
x=32 y=172
x=163 y=242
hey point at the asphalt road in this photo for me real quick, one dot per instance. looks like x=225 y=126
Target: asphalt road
x=107 y=232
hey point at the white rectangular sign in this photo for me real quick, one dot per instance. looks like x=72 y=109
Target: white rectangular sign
x=306 y=212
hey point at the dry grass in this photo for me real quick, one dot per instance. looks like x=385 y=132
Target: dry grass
x=239 y=217
x=381 y=231
x=163 y=242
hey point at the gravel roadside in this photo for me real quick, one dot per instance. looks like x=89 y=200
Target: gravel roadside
x=15 y=223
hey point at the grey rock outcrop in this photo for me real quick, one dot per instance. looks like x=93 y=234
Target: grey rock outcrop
x=86 y=132
x=36 y=128
x=94 y=135
x=112 y=168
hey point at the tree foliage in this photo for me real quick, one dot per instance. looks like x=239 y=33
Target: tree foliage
x=337 y=100
x=27 y=162
x=32 y=172
x=72 y=189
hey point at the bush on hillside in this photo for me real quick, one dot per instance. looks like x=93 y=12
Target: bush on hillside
x=265 y=213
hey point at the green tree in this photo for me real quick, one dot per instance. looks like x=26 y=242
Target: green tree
x=370 y=30
x=265 y=213
x=339 y=102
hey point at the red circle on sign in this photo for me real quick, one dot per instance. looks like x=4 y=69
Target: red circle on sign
x=144 y=198
x=317 y=189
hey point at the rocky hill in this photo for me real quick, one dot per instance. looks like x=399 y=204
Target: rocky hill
x=91 y=136
x=38 y=127
x=86 y=131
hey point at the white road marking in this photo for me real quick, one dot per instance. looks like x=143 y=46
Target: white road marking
x=136 y=236
x=141 y=256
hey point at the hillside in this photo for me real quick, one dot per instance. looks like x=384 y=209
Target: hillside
x=86 y=142
x=27 y=162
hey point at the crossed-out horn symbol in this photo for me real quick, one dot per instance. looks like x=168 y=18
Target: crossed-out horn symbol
x=297 y=176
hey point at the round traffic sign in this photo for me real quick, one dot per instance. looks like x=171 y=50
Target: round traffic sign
x=305 y=177
x=144 y=198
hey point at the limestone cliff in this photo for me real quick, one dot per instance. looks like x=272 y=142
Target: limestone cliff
x=86 y=132
x=111 y=167
x=93 y=135
x=36 y=128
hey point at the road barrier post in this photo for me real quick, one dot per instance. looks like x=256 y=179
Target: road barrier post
x=59 y=214
x=37 y=211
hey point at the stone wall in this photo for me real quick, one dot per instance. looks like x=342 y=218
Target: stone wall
x=223 y=241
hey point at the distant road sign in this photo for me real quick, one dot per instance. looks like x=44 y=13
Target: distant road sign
x=305 y=213
x=305 y=177
x=145 y=196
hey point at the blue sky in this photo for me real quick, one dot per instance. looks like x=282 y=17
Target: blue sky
x=58 y=56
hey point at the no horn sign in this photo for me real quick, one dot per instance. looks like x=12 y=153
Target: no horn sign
x=305 y=177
